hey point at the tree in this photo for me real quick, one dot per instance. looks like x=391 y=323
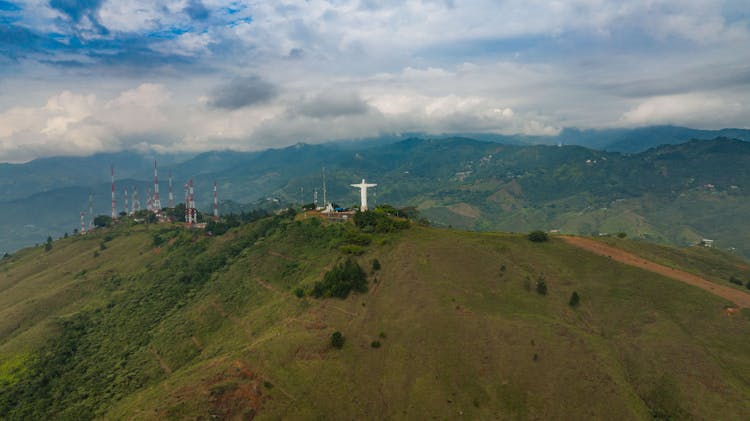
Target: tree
x=621 y=235
x=541 y=287
x=574 y=299
x=538 y=236
x=342 y=279
x=48 y=245
x=375 y=264
x=337 y=340
x=102 y=221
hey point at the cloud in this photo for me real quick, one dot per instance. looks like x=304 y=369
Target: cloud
x=331 y=104
x=708 y=110
x=174 y=74
x=242 y=92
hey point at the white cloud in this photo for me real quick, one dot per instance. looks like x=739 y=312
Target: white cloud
x=707 y=110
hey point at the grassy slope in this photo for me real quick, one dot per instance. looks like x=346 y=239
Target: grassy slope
x=462 y=334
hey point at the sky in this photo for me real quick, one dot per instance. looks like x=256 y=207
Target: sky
x=87 y=76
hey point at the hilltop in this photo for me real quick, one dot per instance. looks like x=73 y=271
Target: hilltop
x=674 y=194
x=159 y=322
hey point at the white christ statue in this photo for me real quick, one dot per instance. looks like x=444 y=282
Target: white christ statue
x=363 y=193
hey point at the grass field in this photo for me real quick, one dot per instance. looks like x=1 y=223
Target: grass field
x=212 y=326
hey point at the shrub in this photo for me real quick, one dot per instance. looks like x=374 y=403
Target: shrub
x=574 y=299
x=735 y=281
x=158 y=240
x=299 y=292
x=538 y=236
x=351 y=249
x=375 y=344
x=748 y=284
x=621 y=235
x=341 y=280
x=358 y=238
x=337 y=340
x=541 y=287
x=375 y=264
x=370 y=221
x=102 y=246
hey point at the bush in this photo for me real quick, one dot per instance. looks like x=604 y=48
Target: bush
x=541 y=287
x=351 y=249
x=375 y=344
x=341 y=280
x=370 y=221
x=299 y=292
x=621 y=235
x=538 y=236
x=102 y=221
x=337 y=340
x=735 y=281
x=574 y=299
x=375 y=264
x=747 y=285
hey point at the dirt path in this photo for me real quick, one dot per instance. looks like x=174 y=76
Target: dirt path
x=738 y=297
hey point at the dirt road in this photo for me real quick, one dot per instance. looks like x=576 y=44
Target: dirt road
x=738 y=297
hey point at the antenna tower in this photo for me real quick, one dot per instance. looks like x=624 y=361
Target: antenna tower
x=325 y=199
x=149 y=200
x=83 y=222
x=187 y=203
x=171 y=194
x=157 y=203
x=126 y=201
x=216 y=203
x=114 y=204
x=91 y=211
x=136 y=202
x=315 y=198
x=192 y=213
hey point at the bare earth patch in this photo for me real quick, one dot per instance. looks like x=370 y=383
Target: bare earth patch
x=738 y=297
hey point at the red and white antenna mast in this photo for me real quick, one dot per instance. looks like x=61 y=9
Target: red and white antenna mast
x=136 y=202
x=216 y=203
x=83 y=222
x=149 y=200
x=157 y=202
x=114 y=204
x=91 y=211
x=187 y=203
x=127 y=211
x=171 y=194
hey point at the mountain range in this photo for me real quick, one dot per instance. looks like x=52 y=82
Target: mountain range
x=666 y=184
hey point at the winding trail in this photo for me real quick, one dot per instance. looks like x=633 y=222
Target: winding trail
x=736 y=296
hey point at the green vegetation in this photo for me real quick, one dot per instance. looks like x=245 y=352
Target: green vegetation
x=205 y=326
x=574 y=299
x=337 y=340
x=375 y=264
x=538 y=236
x=541 y=286
x=341 y=280
x=735 y=280
x=379 y=221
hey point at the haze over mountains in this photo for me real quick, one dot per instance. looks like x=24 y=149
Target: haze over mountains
x=617 y=180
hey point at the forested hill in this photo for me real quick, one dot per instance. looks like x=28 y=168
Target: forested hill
x=675 y=194
x=295 y=318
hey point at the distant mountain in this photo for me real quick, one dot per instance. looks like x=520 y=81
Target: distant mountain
x=674 y=193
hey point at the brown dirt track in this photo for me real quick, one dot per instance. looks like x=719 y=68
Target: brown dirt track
x=738 y=297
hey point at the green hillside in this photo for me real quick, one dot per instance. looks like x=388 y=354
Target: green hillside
x=157 y=322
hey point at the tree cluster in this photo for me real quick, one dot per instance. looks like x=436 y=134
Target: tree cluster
x=341 y=280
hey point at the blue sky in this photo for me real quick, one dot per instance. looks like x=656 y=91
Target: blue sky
x=79 y=77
